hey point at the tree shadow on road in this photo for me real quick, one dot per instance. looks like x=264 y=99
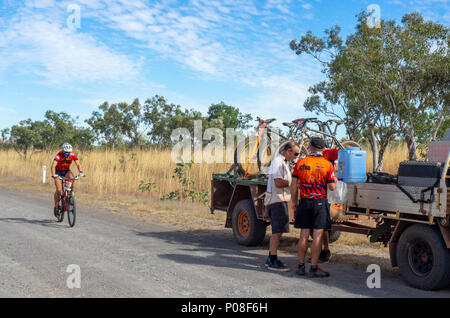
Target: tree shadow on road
x=47 y=223
x=217 y=248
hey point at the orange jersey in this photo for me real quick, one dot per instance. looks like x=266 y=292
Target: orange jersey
x=314 y=173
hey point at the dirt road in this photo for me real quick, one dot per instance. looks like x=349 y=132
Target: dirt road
x=121 y=256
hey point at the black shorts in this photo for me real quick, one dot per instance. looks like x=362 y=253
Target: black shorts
x=279 y=215
x=313 y=214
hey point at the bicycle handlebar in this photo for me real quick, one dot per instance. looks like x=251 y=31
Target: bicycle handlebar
x=267 y=121
x=72 y=179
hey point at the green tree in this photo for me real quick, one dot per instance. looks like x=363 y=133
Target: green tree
x=26 y=137
x=118 y=124
x=230 y=116
x=5 y=135
x=60 y=128
x=387 y=81
x=161 y=118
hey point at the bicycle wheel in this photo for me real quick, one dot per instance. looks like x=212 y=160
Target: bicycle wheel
x=60 y=214
x=350 y=143
x=71 y=210
x=242 y=157
x=267 y=150
x=304 y=149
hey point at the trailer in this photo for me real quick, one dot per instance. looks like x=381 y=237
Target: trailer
x=417 y=230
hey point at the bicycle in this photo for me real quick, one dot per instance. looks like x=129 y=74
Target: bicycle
x=256 y=147
x=302 y=134
x=67 y=201
x=298 y=132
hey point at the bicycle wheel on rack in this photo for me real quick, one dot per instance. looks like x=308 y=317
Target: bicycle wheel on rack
x=266 y=151
x=71 y=210
x=350 y=143
x=304 y=149
x=242 y=157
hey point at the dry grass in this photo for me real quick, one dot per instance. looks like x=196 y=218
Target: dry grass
x=112 y=173
x=117 y=172
x=394 y=155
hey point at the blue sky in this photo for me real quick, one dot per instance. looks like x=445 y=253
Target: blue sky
x=193 y=52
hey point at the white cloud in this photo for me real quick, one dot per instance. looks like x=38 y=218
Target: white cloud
x=59 y=55
x=232 y=40
x=306 y=6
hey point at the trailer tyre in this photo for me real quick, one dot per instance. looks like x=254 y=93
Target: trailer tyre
x=423 y=258
x=247 y=229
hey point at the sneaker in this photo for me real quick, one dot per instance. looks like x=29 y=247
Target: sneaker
x=300 y=270
x=325 y=256
x=319 y=272
x=276 y=265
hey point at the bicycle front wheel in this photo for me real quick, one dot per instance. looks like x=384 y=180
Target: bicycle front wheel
x=71 y=210
x=60 y=213
x=350 y=143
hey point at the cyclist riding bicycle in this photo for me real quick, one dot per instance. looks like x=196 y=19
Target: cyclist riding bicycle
x=61 y=168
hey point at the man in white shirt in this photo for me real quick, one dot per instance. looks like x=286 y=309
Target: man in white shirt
x=276 y=201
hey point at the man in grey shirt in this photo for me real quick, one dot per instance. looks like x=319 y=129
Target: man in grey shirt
x=276 y=201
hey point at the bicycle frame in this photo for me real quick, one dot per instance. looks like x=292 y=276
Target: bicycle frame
x=67 y=184
x=262 y=125
x=301 y=129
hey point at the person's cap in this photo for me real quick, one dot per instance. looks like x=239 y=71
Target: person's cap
x=318 y=143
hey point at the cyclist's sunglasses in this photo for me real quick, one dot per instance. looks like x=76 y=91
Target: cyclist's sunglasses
x=295 y=153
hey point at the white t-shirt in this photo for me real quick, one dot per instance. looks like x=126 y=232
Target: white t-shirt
x=279 y=169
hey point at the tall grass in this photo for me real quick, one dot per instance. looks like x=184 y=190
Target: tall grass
x=393 y=156
x=121 y=172
x=112 y=172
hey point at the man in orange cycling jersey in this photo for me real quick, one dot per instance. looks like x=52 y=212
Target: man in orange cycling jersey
x=314 y=175
x=61 y=168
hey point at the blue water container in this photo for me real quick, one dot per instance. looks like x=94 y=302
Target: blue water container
x=352 y=165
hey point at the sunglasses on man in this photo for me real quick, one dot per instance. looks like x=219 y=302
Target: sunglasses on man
x=295 y=153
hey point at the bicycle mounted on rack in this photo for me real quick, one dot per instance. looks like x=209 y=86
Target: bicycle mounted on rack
x=260 y=149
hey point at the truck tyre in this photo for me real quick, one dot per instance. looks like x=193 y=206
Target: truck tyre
x=423 y=258
x=247 y=229
x=334 y=236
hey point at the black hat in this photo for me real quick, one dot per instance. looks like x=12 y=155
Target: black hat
x=317 y=142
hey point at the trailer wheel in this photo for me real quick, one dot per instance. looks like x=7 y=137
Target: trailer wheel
x=247 y=229
x=423 y=258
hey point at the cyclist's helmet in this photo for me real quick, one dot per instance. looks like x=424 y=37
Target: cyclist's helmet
x=66 y=148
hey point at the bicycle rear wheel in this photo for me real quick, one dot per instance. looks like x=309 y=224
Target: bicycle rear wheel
x=350 y=143
x=71 y=210
x=242 y=157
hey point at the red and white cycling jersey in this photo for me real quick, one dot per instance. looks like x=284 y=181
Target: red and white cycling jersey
x=63 y=162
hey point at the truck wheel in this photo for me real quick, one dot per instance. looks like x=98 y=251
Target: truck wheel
x=423 y=258
x=247 y=229
x=334 y=236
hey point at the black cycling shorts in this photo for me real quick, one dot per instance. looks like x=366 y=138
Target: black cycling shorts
x=313 y=214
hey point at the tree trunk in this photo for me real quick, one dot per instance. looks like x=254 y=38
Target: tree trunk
x=412 y=146
x=374 y=146
x=381 y=153
x=436 y=130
